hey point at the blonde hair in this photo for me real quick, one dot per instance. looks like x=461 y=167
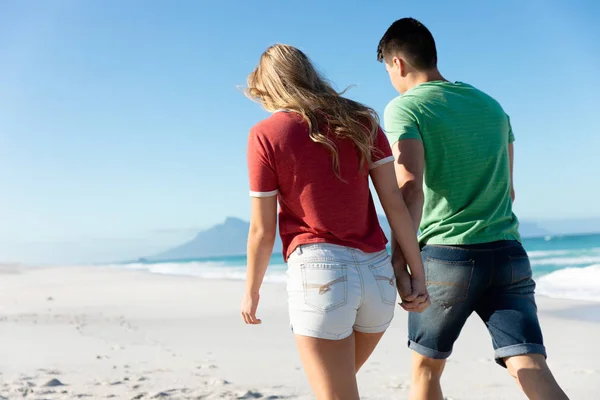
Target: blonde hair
x=286 y=79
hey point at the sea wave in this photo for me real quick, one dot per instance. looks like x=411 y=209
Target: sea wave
x=572 y=283
x=547 y=253
x=574 y=276
x=567 y=261
x=205 y=270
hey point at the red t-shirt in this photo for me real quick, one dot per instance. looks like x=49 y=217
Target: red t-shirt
x=315 y=205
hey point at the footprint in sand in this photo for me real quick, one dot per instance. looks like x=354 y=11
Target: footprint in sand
x=53 y=383
x=250 y=395
x=207 y=366
x=218 y=382
x=585 y=371
x=399 y=386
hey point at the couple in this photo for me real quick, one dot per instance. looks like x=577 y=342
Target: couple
x=447 y=173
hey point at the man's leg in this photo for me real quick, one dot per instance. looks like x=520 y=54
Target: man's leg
x=510 y=313
x=534 y=377
x=425 y=378
x=453 y=283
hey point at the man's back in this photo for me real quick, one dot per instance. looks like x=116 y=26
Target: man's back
x=455 y=171
x=467 y=184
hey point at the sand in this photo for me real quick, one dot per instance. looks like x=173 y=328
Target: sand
x=69 y=333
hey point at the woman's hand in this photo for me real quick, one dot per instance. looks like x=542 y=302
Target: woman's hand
x=249 y=306
x=412 y=291
x=419 y=298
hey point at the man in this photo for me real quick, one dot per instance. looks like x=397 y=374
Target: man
x=454 y=153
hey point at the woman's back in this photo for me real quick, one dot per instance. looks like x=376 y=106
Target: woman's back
x=316 y=205
x=317 y=156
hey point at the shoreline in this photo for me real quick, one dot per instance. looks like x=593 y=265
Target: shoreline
x=107 y=332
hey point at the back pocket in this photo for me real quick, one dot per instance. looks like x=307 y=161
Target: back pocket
x=325 y=285
x=448 y=281
x=520 y=268
x=386 y=280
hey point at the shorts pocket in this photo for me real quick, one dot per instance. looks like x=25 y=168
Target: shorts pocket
x=520 y=268
x=386 y=280
x=325 y=285
x=448 y=282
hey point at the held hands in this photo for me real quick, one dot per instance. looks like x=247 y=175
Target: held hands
x=249 y=306
x=412 y=290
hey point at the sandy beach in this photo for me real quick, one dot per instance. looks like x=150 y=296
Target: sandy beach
x=98 y=333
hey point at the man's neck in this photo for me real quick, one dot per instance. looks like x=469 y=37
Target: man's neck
x=419 y=77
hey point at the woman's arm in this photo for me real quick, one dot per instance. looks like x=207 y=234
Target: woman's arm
x=390 y=195
x=261 y=239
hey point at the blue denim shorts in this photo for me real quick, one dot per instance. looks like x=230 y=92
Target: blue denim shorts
x=492 y=279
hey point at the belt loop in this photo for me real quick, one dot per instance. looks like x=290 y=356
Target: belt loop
x=299 y=250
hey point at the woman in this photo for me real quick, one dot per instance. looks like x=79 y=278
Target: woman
x=315 y=154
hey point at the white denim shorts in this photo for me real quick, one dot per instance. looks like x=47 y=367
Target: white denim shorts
x=334 y=290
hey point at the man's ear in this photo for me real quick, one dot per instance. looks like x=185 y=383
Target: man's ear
x=400 y=64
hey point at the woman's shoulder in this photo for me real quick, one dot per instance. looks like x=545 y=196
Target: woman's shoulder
x=279 y=124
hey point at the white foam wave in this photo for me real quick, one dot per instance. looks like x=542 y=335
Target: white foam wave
x=567 y=261
x=547 y=253
x=205 y=270
x=572 y=283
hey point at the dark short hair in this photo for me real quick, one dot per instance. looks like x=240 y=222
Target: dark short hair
x=413 y=40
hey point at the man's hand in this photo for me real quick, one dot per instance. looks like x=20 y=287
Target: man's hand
x=412 y=291
x=420 y=298
x=403 y=283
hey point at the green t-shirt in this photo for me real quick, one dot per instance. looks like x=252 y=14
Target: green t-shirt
x=466 y=178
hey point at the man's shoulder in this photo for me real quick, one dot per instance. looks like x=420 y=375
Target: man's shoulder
x=402 y=103
x=476 y=92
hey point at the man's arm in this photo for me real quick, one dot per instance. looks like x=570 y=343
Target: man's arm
x=511 y=157
x=409 y=157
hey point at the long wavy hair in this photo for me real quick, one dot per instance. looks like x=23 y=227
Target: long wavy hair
x=285 y=78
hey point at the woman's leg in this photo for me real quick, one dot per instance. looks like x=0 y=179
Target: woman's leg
x=329 y=366
x=364 y=344
x=377 y=308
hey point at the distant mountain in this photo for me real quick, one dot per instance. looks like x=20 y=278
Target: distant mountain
x=532 y=229
x=229 y=238
x=526 y=228
x=573 y=226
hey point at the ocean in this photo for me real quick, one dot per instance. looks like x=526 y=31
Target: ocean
x=563 y=266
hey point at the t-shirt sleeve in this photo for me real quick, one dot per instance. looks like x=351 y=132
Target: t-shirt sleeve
x=382 y=152
x=261 y=169
x=400 y=121
x=511 y=135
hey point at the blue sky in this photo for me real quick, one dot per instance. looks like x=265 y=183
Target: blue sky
x=123 y=127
